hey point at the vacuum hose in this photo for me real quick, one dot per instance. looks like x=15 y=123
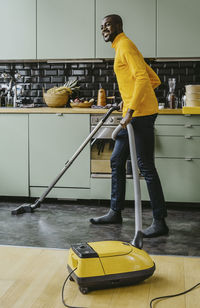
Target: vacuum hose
x=138 y=238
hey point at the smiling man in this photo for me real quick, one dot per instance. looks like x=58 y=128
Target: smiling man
x=136 y=81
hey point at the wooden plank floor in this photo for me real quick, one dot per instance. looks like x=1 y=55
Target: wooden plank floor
x=33 y=278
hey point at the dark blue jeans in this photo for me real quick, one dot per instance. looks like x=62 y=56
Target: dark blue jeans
x=144 y=140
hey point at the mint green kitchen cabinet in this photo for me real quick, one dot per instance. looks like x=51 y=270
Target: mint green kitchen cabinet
x=14 y=155
x=53 y=139
x=177 y=156
x=35 y=148
x=180 y=179
x=178 y=26
x=18 y=29
x=65 y=29
x=139 y=17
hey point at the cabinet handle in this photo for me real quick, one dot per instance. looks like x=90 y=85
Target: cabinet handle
x=59 y=114
x=188 y=159
x=188 y=125
x=188 y=137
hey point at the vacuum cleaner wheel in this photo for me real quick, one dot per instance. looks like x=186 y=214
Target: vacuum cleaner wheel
x=84 y=290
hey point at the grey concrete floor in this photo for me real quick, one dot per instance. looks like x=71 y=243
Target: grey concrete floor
x=59 y=224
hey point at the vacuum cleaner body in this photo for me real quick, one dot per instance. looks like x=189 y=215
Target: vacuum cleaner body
x=106 y=264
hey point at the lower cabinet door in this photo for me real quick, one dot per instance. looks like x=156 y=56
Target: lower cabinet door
x=54 y=138
x=14 y=155
x=180 y=179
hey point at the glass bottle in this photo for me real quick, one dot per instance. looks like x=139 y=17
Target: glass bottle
x=172 y=99
x=9 y=101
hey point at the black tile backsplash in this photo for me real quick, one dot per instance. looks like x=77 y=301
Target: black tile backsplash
x=38 y=75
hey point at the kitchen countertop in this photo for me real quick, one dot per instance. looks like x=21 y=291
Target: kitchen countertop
x=74 y=110
x=191 y=110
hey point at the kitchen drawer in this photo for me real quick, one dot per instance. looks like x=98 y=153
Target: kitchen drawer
x=101 y=189
x=191 y=130
x=169 y=130
x=177 y=147
x=177 y=130
x=192 y=119
x=180 y=179
x=170 y=119
x=166 y=119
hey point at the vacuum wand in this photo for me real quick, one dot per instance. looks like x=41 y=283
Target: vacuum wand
x=138 y=238
x=28 y=207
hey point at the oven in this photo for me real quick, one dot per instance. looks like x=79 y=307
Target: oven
x=102 y=146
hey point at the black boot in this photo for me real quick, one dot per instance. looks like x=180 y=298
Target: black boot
x=157 y=228
x=112 y=217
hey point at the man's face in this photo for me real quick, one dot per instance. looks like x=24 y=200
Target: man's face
x=109 y=29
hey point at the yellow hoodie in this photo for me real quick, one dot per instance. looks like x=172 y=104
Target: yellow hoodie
x=136 y=79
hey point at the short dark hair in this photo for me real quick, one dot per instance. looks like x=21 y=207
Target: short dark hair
x=116 y=18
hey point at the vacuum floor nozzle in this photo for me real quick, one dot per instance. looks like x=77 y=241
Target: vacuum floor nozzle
x=25 y=208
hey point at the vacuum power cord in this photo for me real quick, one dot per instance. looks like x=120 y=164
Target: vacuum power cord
x=173 y=295
x=64 y=288
x=151 y=302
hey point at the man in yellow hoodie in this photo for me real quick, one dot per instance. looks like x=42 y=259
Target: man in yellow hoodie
x=136 y=81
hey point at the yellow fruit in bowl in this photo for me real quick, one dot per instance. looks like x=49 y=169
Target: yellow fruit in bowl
x=81 y=103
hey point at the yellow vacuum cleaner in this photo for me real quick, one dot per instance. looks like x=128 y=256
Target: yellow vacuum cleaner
x=104 y=264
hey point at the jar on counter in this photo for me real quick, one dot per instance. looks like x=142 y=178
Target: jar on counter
x=101 y=99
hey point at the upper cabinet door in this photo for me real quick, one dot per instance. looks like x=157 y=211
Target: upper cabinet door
x=139 y=19
x=178 y=28
x=65 y=29
x=18 y=29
